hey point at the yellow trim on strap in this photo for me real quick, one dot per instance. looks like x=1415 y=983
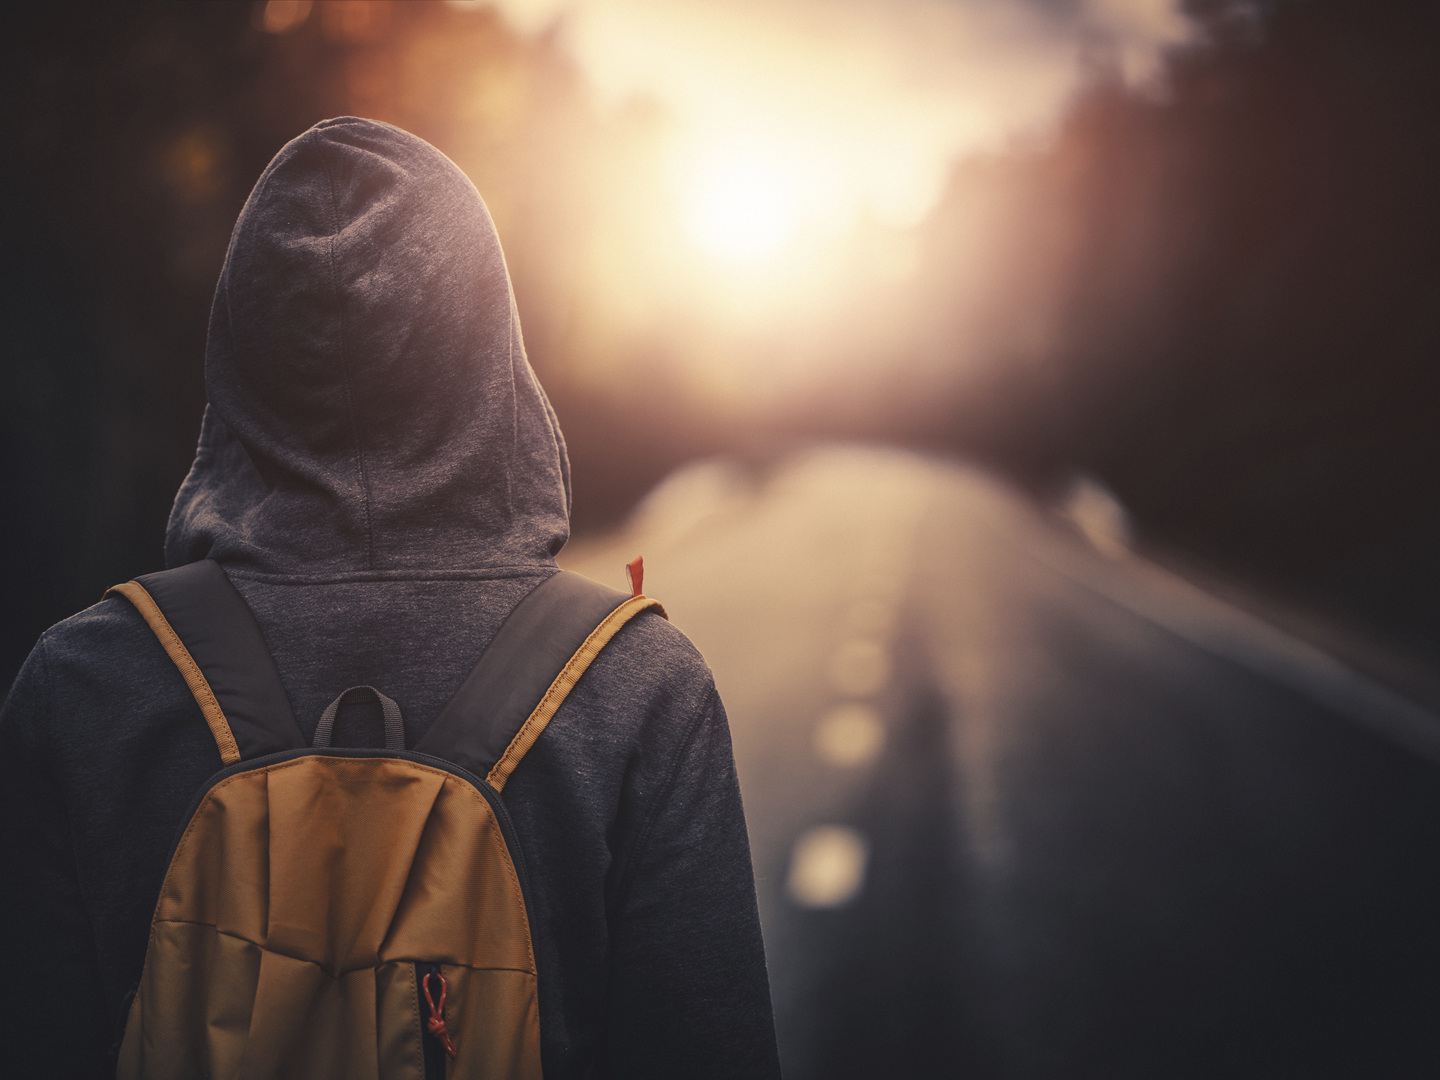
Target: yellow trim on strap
x=189 y=670
x=563 y=684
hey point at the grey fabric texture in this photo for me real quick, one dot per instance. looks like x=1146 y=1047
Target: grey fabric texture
x=383 y=480
x=371 y=407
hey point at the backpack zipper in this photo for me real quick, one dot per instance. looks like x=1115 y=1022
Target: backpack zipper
x=433 y=1049
x=431 y=1046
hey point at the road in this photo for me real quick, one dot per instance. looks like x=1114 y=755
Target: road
x=1020 y=807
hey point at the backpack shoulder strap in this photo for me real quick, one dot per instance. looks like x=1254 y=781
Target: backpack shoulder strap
x=525 y=673
x=210 y=634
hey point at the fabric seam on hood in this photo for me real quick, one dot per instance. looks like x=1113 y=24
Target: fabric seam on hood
x=345 y=367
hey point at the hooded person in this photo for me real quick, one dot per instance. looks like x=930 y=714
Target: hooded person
x=383 y=480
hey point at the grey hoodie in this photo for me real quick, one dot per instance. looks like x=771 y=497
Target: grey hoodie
x=383 y=479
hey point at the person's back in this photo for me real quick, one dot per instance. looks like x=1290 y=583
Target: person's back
x=383 y=481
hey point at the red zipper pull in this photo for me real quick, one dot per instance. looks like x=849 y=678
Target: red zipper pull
x=437 y=1013
x=635 y=573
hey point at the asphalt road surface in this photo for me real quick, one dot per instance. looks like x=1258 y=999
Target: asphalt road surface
x=1020 y=807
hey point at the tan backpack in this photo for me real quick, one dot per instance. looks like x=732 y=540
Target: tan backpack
x=351 y=913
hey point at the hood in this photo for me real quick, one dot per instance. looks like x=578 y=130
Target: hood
x=370 y=407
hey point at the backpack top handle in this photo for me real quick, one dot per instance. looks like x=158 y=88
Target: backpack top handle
x=394 y=722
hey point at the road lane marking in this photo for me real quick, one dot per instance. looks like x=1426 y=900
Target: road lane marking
x=827 y=866
x=850 y=735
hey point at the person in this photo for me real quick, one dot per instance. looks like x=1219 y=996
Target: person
x=383 y=479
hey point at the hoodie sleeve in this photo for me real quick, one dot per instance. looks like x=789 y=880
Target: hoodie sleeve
x=689 y=994
x=51 y=1023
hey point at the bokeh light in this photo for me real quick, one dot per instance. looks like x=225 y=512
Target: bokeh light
x=742 y=209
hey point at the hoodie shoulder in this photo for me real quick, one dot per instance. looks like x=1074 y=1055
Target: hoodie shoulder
x=100 y=629
x=652 y=651
x=104 y=657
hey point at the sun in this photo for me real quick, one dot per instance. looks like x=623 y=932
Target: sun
x=741 y=209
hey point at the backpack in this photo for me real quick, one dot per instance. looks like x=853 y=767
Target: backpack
x=347 y=913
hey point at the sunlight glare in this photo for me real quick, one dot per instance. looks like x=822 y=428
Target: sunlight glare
x=743 y=209
x=769 y=169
